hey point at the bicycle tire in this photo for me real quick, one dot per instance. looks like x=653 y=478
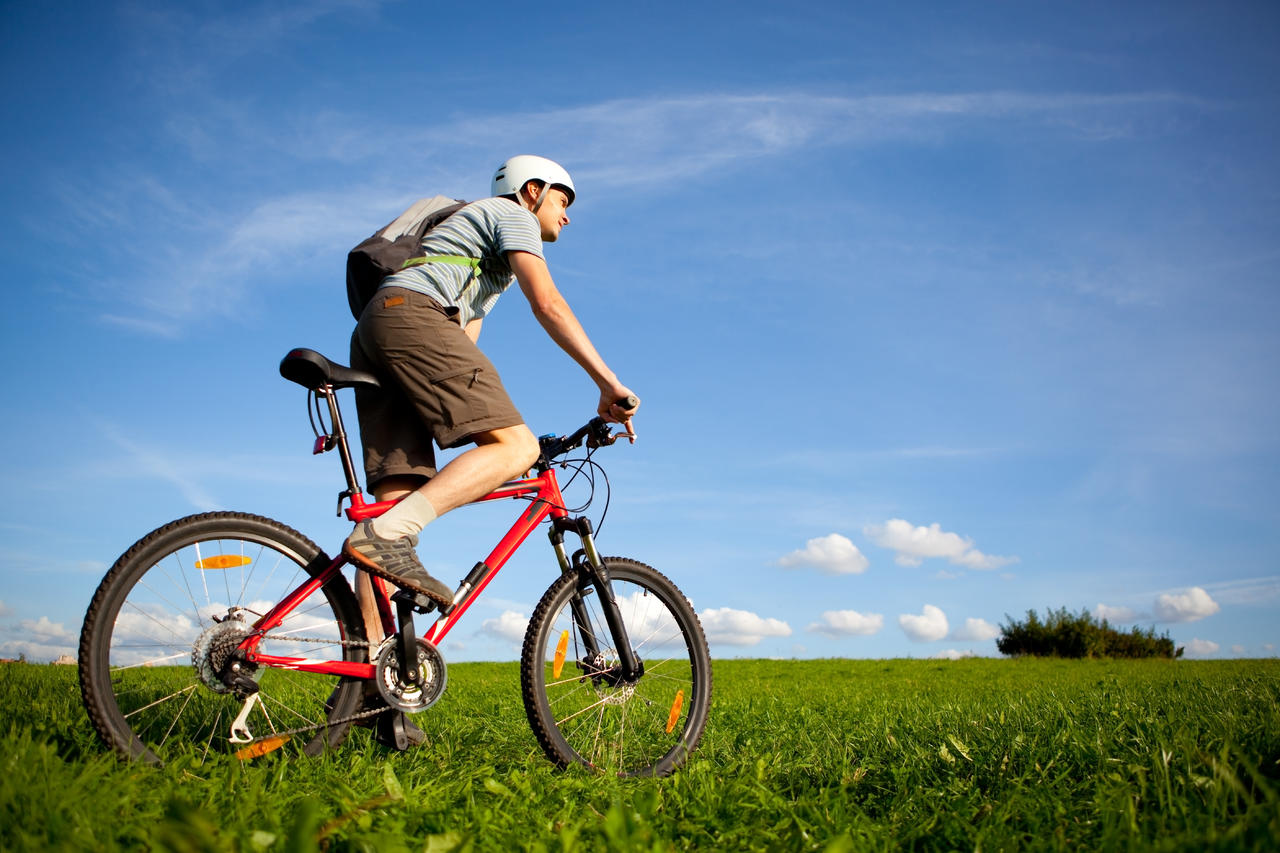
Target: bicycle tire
x=140 y=679
x=643 y=729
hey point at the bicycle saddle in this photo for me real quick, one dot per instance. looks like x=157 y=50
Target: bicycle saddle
x=311 y=370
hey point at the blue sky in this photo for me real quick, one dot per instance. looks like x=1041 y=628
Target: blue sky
x=940 y=312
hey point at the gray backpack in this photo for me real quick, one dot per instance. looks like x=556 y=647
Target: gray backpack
x=398 y=245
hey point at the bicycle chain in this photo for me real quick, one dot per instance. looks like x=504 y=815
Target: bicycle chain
x=326 y=641
x=345 y=720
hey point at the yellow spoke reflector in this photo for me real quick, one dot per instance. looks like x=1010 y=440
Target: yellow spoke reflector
x=262 y=747
x=561 y=648
x=222 y=561
x=675 y=711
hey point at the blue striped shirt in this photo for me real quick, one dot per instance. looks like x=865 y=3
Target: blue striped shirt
x=485 y=229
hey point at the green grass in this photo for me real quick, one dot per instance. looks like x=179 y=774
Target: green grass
x=799 y=755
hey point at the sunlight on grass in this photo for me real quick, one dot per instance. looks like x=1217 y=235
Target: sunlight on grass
x=839 y=755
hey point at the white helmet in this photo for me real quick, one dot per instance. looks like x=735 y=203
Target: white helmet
x=519 y=170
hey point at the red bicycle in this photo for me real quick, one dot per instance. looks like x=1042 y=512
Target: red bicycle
x=232 y=633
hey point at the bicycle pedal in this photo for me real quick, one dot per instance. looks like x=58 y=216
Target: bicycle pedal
x=419 y=602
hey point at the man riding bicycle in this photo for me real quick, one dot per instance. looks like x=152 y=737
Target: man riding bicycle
x=418 y=335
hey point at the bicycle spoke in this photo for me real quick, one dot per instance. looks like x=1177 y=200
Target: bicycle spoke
x=592 y=715
x=161 y=631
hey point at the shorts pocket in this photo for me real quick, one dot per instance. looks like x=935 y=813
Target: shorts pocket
x=461 y=397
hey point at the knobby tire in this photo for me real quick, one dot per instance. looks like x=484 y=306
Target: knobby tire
x=583 y=715
x=144 y=692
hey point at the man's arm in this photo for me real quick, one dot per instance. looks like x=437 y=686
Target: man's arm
x=558 y=320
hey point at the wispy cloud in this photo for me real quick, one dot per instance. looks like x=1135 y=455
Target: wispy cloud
x=151 y=463
x=215 y=234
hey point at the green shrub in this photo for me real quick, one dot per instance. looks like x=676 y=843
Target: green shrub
x=1066 y=635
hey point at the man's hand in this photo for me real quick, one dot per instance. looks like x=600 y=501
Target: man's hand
x=613 y=408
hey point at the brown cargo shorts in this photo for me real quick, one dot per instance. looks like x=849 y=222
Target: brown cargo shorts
x=436 y=384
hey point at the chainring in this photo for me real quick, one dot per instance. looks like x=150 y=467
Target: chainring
x=414 y=696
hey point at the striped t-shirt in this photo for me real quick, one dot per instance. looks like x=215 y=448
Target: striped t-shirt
x=485 y=229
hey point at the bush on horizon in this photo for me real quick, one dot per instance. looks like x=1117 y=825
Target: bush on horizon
x=1066 y=635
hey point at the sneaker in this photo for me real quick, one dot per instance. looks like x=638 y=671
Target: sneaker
x=395 y=560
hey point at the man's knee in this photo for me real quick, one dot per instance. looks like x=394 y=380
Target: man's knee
x=526 y=449
x=520 y=444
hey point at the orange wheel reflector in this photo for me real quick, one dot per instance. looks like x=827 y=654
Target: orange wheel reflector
x=222 y=561
x=262 y=747
x=561 y=648
x=675 y=711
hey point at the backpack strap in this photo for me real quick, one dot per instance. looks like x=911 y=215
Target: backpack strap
x=457 y=260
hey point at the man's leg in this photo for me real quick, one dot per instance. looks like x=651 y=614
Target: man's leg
x=386 y=545
x=499 y=455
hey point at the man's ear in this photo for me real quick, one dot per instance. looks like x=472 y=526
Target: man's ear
x=532 y=191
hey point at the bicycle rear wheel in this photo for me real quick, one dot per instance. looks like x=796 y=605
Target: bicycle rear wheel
x=579 y=709
x=173 y=608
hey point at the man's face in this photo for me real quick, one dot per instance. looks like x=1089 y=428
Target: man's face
x=553 y=214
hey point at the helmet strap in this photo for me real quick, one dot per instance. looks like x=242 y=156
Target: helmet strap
x=542 y=196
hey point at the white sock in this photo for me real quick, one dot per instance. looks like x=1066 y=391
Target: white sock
x=406 y=518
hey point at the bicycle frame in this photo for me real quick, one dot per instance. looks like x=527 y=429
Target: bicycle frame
x=544 y=492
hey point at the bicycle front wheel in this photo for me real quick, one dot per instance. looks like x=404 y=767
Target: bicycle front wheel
x=580 y=709
x=171 y=611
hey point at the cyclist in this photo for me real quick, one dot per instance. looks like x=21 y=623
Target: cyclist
x=419 y=334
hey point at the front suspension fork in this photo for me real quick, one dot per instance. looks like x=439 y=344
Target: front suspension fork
x=593 y=574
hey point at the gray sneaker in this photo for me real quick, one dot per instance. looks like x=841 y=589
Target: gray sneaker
x=395 y=560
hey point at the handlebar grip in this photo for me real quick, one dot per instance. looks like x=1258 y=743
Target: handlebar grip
x=628 y=402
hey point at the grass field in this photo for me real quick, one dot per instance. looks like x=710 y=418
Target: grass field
x=799 y=755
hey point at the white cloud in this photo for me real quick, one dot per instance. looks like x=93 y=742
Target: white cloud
x=916 y=544
x=35 y=651
x=929 y=626
x=1198 y=648
x=730 y=627
x=46 y=630
x=976 y=630
x=1114 y=614
x=845 y=623
x=509 y=626
x=1237 y=650
x=955 y=654
x=1189 y=606
x=833 y=554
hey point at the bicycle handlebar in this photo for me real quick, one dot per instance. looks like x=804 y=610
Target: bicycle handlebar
x=596 y=432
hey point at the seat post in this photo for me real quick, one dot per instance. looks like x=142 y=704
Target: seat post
x=340 y=435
